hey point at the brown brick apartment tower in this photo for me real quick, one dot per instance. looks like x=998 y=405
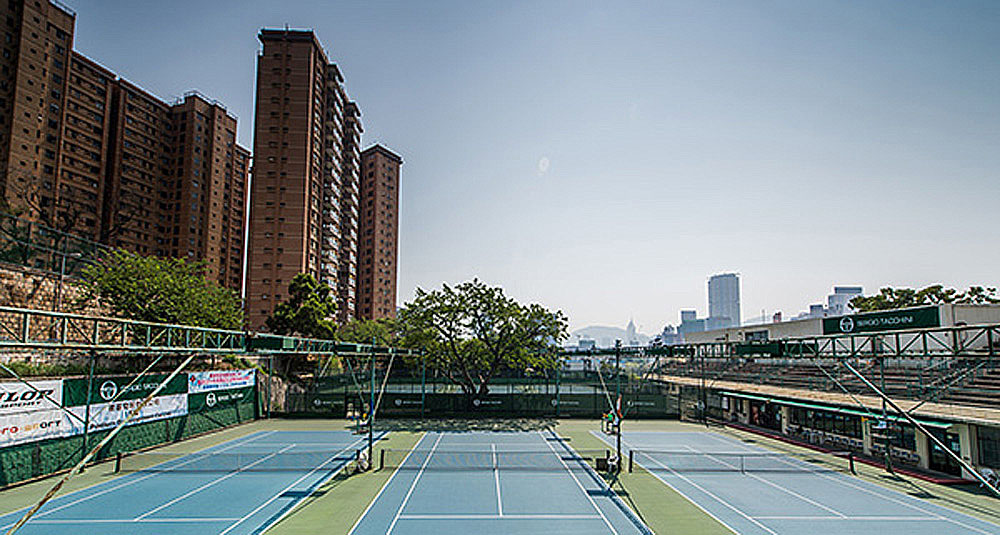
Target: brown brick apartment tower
x=95 y=155
x=379 y=230
x=34 y=76
x=303 y=214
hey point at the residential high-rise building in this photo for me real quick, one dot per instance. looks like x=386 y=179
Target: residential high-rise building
x=306 y=169
x=378 y=233
x=34 y=78
x=92 y=154
x=724 y=299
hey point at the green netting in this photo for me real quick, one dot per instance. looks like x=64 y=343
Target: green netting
x=26 y=461
x=405 y=404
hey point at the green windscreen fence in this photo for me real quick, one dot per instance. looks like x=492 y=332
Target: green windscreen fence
x=190 y=405
x=502 y=404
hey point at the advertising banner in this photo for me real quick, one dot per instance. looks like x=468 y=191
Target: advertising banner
x=914 y=318
x=17 y=397
x=220 y=398
x=32 y=426
x=108 y=415
x=199 y=382
x=106 y=388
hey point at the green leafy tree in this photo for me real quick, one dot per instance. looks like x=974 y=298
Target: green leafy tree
x=382 y=331
x=308 y=311
x=472 y=332
x=166 y=290
x=892 y=298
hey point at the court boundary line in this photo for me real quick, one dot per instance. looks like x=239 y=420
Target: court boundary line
x=385 y=485
x=580 y=485
x=496 y=478
x=848 y=483
x=631 y=515
x=769 y=483
x=413 y=485
x=288 y=509
x=193 y=520
x=683 y=494
x=859 y=517
x=209 y=484
x=268 y=523
x=499 y=517
x=231 y=444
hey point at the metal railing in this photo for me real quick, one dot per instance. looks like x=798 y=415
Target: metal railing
x=22 y=328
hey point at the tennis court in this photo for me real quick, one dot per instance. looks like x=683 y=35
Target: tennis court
x=756 y=491
x=237 y=487
x=494 y=482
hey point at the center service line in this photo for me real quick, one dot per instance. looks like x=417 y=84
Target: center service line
x=496 y=477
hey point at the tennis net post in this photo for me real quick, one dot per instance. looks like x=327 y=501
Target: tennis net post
x=631 y=460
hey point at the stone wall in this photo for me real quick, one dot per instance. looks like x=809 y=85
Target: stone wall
x=25 y=287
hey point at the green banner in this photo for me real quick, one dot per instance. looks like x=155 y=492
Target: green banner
x=220 y=398
x=913 y=318
x=106 y=388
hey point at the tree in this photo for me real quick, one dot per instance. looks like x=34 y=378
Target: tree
x=383 y=331
x=308 y=311
x=472 y=332
x=165 y=290
x=892 y=298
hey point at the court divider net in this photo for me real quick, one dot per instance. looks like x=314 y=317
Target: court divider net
x=742 y=462
x=489 y=459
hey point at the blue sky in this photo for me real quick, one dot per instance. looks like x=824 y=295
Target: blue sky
x=606 y=158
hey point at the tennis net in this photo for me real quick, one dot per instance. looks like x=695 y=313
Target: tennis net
x=490 y=459
x=696 y=461
x=261 y=461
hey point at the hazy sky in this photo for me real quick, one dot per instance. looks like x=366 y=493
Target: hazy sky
x=606 y=158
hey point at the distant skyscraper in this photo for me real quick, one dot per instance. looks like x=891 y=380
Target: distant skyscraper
x=724 y=297
x=839 y=302
x=630 y=334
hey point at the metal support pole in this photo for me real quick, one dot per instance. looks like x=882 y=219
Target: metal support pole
x=423 y=385
x=618 y=388
x=371 y=407
x=558 y=378
x=270 y=377
x=887 y=439
x=62 y=277
x=937 y=442
x=86 y=414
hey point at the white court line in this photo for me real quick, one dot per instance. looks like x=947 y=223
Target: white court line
x=289 y=487
x=385 y=485
x=130 y=521
x=771 y=483
x=136 y=480
x=863 y=518
x=211 y=483
x=496 y=477
x=695 y=502
x=500 y=517
x=847 y=483
x=582 y=488
x=413 y=485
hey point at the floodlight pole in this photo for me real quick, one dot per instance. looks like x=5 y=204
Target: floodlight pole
x=618 y=391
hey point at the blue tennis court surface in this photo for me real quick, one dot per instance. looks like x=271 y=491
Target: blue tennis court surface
x=537 y=485
x=185 y=495
x=777 y=502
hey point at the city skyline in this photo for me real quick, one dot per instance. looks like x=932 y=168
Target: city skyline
x=724 y=107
